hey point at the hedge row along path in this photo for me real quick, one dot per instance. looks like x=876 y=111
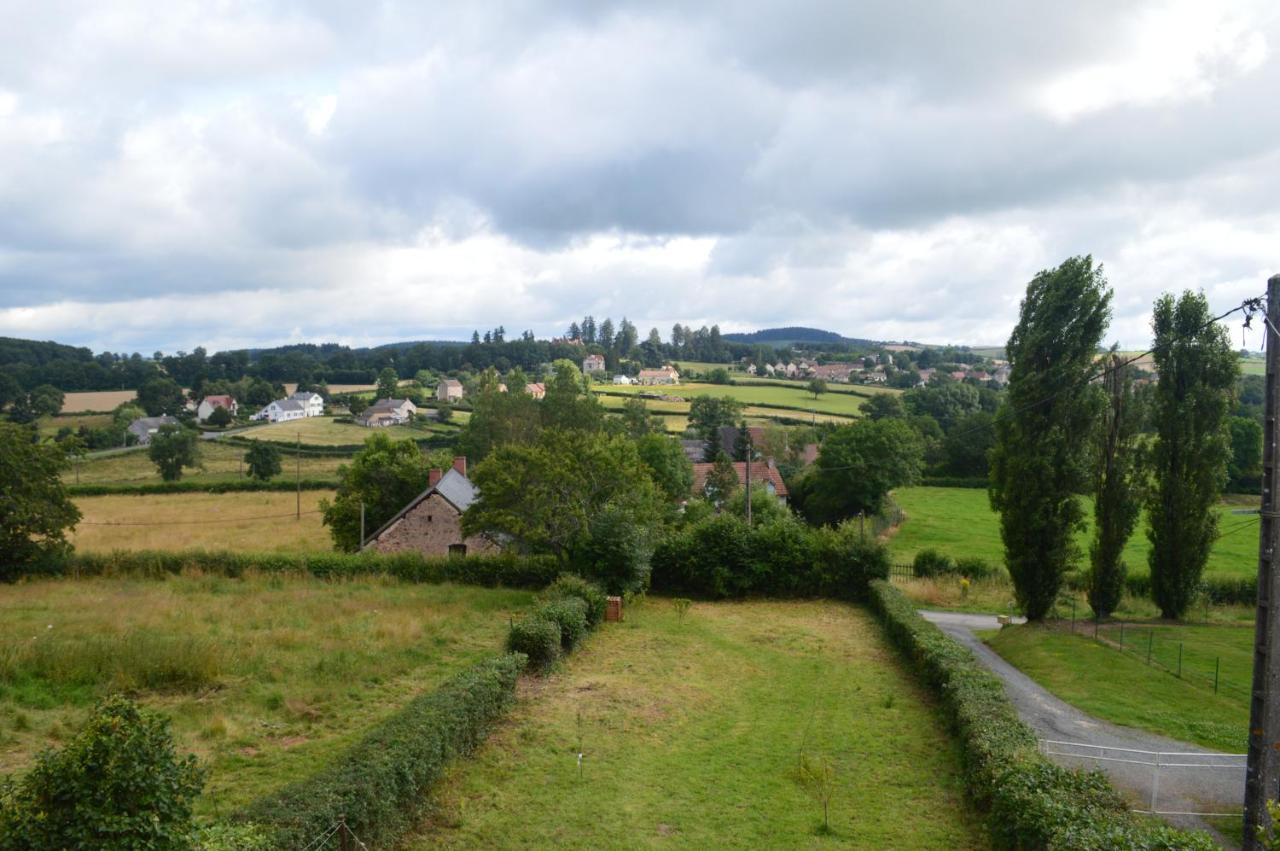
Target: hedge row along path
x=1183 y=790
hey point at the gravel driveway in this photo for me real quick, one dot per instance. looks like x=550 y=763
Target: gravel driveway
x=1179 y=789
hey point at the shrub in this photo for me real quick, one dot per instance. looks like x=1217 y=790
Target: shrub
x=117 y=785
x=570 y=617
x=1030 y=802
x=931 y=563
x=976 y=568
x=537 y=638
x=570 y=585
x=379 y=784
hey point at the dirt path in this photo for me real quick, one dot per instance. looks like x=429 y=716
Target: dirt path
x=1179 y=789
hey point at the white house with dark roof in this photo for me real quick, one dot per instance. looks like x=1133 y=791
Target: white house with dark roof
x=281 y=410
x=312 y=403
x=387 y=412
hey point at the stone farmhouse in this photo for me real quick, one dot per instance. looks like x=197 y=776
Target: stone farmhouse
x=431 y=523
x=593 y=363
x=144 y=428
x=665 y=375
x=209 y=404
x=449 y=390
x=387 y=412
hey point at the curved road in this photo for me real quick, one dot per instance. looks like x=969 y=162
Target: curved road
x=1179 y=789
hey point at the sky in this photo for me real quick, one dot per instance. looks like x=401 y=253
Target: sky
x=234 y=174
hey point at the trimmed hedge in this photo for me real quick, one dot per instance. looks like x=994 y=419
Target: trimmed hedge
x=723 y=557
x=380 y=783
x=571 y=607
x=569 y=614
x=148 y=488
x=572 y=585
x=1030 y=802
x=538 y=639
x=512 y=571
x=1220 y=589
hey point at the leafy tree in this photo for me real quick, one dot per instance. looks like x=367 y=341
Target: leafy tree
x=1039 y=463
x=946 y=402
x=857 y=466
x=388 y=383
x=637 y=421
x=163 y=396
x=817 y=387
x=605 y=335
x=259 y=393
x=567 y=403
x=884 y=406
x=385 y=475
x=1116 y=489
x=444 y=412
x=263 y=460
x=719 y=375
x=707 y=414
x=10 y=390
x=220 y=417
x=1246 y=453
x=117 y=785
x=172 y=448
x=565 y=493
x=742 y=442
x=35 y=511
x=667 y=463
x=968 y=445
x=45 y=400
x=496 y=420
x=722 y=480
x=1197 y=372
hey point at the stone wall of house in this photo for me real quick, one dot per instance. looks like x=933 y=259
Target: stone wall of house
x=430 y=528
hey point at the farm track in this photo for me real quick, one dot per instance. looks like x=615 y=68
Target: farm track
x=1054 y=719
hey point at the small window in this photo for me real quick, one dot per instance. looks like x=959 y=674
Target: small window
x=457 y=550
x=428 y=518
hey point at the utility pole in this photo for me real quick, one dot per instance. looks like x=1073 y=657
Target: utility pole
x=362 y=524
x=1262 y=780
x=750 y=452
x=297 y=474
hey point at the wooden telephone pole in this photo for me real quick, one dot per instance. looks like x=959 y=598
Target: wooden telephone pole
x=1262 y=782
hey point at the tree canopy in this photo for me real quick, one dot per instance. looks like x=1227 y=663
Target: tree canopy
x=172 y=448
x=35 y=510
x=385 y=475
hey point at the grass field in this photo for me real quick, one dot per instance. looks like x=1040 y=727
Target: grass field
x=960 y=523
x=692 y=731
x=265 y=678
x=1121 y=687
x=97 y=400
x=221 y=462
x=247 y=522
x=793 y=398
x=49 y=426
x=675 y=414
x=323 y=431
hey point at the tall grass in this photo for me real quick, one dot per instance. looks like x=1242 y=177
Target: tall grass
x=128 y=661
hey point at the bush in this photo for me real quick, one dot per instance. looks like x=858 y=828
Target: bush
x=572 y=586
x=931 y=563
x=379 y=784
x=976 y=568
x=117 y=785
x=1030 y=802
x=537 y=638
x=570 y=617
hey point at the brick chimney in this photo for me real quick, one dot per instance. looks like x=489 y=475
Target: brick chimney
x=460 y=464
x=433 y=477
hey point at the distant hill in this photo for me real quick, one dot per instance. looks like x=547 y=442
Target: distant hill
x=795 y=334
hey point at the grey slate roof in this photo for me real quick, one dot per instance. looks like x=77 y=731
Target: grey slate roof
x=453 y=486
x=289 y=405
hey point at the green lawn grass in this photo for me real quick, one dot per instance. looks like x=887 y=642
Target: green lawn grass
x=219 y=462
x=1121 y=687
x=692 y=731
x=960 y=522
x=324 y=431
x=792 y=397
x=265 y=677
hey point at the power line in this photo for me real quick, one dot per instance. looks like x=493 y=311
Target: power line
x=194 y=522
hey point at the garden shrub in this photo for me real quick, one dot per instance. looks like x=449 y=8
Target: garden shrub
x=1030 y=802
x=537 y=638
x=571 y=585
x=931 y=563
x=118 y=784
x=569 y=614
x=380 y=783
x=976 y=568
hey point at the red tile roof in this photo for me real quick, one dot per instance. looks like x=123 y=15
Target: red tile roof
x=760 y=471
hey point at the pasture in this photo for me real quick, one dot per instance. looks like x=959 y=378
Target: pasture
x=264 y=677
x=245 y=522
x=693 y=730
x=325 y=431
x=777 y=399
x=219 y=462
x=96 y=400
x=959 y=522
x=1123 y=688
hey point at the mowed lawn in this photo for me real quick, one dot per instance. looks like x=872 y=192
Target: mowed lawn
x=219 y=462
x=324 y=431
x=692 y=731
x=960 y=523
x=264 y=677
x=248 y=522
x=1121 y=687
x=779 y=394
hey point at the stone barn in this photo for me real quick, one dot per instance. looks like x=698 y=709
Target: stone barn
x=431 y=523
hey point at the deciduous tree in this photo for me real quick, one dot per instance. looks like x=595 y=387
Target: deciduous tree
x=1117 y=481
x=262 y=460
x=172 y=448
x=385 y=475
x=35 y=511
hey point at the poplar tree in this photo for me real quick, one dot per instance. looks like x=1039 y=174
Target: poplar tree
x=1116 y=495
x=1197 y=374
x=1039 y=464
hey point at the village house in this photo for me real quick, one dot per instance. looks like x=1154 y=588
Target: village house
x=763 y=474
x=144 y=428
x=449 y=390
x=281 y=410
x=727 y=439
x=839 y=372
x=665 y=375
x=431 y=524
x=312 y=403
x=623 y=379
x=593 y=363
x=387 y=412
x=536 y=389
x=209 y=404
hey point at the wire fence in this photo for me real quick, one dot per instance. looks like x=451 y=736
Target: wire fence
x=900 y=571
x=339 y=837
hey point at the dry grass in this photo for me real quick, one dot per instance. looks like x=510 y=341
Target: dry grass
x=265 y=677
x=323 y=431
x=219 y=462
x=247 y=522
x=96 y=400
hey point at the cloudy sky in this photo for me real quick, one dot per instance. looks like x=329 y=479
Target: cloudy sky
x=227 y=174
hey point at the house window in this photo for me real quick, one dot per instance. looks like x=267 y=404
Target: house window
x=428 y=518
x=457 y=549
